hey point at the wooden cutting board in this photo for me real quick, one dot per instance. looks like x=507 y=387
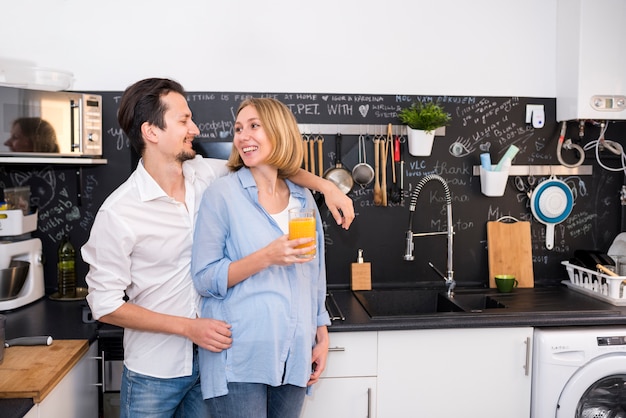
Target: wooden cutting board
x=510 y=251
x=32 y=372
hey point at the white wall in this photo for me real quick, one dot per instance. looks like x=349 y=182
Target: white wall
x=452 y=47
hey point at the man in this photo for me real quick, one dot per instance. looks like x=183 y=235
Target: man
x=140 y=247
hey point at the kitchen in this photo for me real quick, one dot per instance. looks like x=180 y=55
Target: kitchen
x=481 y=41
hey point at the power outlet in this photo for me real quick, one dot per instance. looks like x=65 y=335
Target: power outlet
x=529 y=112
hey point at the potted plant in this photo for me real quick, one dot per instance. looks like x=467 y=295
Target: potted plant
x=422 y=120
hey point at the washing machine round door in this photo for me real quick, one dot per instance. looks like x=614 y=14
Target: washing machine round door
x=598 y=389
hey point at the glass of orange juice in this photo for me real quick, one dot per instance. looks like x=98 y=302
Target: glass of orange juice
x=302 y=225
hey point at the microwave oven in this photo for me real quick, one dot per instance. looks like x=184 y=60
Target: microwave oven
x=50 y=123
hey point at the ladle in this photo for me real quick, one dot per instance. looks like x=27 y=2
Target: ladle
x=320 y=155
x=305 y=156
x=378 y=196
x=312 y=153
x=384 y=148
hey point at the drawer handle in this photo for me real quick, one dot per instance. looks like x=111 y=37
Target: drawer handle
x=336 y=349
x=528 y=351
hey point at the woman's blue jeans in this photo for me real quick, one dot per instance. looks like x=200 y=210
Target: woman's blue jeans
x=149 y=397
x=256 y=400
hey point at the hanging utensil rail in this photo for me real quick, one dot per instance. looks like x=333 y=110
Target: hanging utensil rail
x=354 y=129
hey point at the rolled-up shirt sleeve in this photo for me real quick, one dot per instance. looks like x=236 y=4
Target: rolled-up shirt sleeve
x=108 y=254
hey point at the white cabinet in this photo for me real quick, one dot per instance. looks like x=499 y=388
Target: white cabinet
x=348 y=385
x=467 y=373
x=32 y=413
x=76 y=395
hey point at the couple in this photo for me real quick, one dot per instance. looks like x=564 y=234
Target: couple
x=241 y=263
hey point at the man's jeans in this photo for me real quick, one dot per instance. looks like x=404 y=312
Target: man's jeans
x=149 y=397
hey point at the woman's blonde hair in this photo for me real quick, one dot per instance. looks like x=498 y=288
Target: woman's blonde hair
x=282 y=131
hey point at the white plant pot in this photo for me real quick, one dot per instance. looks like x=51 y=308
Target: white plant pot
x=420 y=142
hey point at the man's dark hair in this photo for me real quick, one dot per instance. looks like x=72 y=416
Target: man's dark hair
x=141 y=102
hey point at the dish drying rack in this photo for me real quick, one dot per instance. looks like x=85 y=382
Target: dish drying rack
x=595 y=284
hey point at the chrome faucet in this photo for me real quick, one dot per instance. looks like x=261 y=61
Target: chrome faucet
x=408 y=253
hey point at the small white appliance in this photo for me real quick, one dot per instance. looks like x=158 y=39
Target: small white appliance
x=579 y=372
x=17 y=244
x=590 y=75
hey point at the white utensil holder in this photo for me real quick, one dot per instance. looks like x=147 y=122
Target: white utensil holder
x=493 y=183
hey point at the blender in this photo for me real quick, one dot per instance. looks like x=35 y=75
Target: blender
x=17 y=244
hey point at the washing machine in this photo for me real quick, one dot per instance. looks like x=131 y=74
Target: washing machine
x=579 y=372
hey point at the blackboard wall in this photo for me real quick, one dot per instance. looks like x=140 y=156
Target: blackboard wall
x=479 y=124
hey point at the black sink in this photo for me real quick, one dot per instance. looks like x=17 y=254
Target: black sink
x=385 y=303
x=394 y=303
x=476 y=302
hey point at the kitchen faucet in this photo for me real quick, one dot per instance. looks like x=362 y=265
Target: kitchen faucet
x=408 y=253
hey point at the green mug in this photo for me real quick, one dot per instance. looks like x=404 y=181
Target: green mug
x=505 y=282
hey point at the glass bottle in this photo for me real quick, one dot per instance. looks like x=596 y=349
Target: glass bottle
x=66 y=270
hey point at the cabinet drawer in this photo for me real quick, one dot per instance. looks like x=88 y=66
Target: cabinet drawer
x=341 y=398
x=352 y=354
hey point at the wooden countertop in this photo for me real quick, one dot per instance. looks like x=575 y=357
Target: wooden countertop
x=32 y=372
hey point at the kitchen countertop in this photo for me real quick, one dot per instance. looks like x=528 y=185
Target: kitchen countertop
x=32 y=372
x=62 y=320
x=533 y=307
x=536 y=307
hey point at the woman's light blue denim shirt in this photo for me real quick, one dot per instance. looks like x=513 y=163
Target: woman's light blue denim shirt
x=275 y=313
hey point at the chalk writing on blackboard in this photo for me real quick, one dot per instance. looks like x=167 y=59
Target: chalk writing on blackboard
x=458 y=224
x=90 y=187
x=580 y=223
x=57 y=211
x=42 y=184
x=486 y=121
x=121 y=141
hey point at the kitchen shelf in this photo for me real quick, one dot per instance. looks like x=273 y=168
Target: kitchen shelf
x=53 y=160
x=544 y=170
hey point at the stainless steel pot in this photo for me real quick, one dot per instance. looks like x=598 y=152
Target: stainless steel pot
x=338 y=174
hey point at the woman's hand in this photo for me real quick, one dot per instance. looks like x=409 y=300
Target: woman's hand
x=320 y=354
x=339 y=204
x=283 y=251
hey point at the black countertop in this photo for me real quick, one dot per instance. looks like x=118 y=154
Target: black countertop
x=62 y=320
x=535 y=307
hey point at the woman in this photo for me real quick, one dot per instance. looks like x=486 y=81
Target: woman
x=249 y=273
x=32 y=135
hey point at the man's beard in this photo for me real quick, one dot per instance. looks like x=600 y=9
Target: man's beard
x=186 y=155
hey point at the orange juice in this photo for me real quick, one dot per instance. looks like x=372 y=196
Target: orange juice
x=303 y=226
